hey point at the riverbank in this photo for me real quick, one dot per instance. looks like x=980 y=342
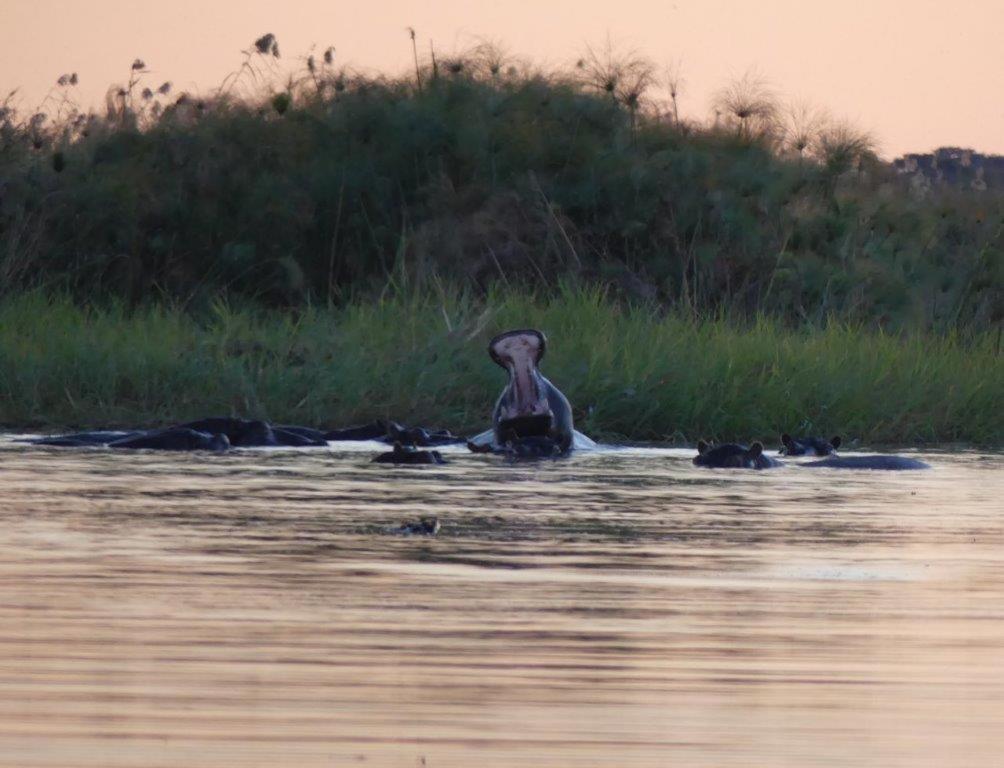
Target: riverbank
x=334 y=184
x=631 y=373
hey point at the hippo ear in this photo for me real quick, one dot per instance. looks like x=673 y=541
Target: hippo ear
x=786 y=440
x=492 y=355
x=755 y=450
x=702 y=447
x=835 y=441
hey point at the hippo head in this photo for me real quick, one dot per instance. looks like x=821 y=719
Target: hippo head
x=728 y=455
x=523 y=409
x=816 y=446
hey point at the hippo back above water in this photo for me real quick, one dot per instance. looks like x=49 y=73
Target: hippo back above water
x=733 y=456
x=878 y=461
x=808 y=446
x=531 y=411
x=174 y=439
x=737 y=456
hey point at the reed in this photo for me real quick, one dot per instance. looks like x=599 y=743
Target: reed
x=632 y=371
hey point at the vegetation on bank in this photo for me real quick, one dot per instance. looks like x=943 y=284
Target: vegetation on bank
x=631 y=373
x=339 y=247
x=478 y=171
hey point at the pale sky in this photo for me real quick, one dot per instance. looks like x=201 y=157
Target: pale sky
x=918 y=74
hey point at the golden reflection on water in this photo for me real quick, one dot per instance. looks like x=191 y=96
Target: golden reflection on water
x=616 y=609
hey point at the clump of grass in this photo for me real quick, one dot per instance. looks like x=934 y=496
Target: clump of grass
x=801 y=126
x=631 y=371
x=842 y=146
x=750 y=106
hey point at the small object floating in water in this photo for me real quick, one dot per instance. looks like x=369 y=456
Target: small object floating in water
x=424 y=526
x=402 y=455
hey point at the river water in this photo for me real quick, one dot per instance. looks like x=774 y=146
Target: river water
x=620 y=608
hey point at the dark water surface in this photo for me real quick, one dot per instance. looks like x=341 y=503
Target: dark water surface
x=617 y=609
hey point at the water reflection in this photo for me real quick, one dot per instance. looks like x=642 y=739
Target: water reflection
x=622 y=608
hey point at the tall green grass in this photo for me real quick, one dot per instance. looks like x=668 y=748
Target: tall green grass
x=632 y=372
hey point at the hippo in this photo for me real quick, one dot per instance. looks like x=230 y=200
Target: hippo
x=734 y=456
x=801 y=446
x=402 y=455
x=238 y=432
x=419 y=436
x=880 y=461
x=391 y=432
x=299 y=436
x=245 y=433
x=530 y=406
x=242 y=433
x=85 y=439
x=375 y=430
x=174 y=439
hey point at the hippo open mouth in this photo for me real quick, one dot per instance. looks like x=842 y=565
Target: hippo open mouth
x=525 y=411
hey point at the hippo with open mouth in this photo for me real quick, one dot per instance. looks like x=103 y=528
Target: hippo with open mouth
x=530 y=410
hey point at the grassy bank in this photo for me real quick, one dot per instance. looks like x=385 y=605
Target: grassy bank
x=631 y=373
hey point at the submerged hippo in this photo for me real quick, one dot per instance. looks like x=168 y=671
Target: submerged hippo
x=803 y=446
x=868 y=462
x=736 y=456
x=174 y=439
x=85 y=439
x=531 y=447
x=391 y=432
x=733 y=456
x=424 y=526
x=420 y=436
x=252 y=433
x=531 y=412
x=238 y=433
x=375 y=430
x=402 y=455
